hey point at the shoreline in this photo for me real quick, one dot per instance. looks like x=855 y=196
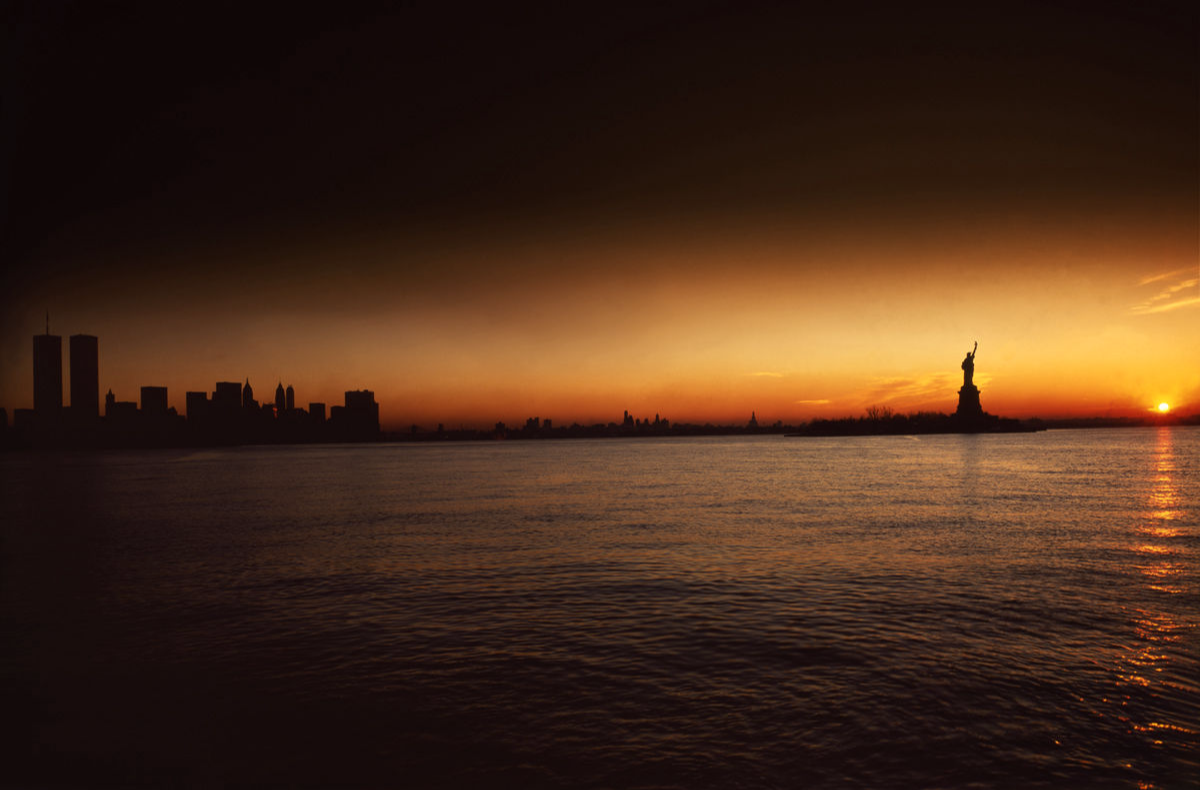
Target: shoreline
x=930 y=425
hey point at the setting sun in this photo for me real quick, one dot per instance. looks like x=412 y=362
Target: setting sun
x=1164 y=407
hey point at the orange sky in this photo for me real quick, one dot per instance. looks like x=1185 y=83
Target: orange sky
x=1090 y=316
x=697 y=212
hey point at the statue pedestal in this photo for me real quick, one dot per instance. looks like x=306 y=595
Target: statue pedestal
x=968 y=402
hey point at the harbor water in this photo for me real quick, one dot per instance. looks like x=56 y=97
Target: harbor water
x=933 y=611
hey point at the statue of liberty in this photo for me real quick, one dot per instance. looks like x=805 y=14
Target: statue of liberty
x=968 y=367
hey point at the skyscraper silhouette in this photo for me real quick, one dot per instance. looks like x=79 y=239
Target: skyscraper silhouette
x=196 y=404
x=280 y=399
x=291 y=398
x=154 y=401
x=47 y=375
x=359 y=418
x=85 y=377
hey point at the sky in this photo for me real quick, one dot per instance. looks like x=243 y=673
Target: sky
x=697 y=210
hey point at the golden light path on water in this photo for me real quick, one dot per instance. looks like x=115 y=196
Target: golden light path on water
x=1163 y=563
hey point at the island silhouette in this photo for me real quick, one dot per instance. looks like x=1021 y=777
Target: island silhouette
x=969 y=417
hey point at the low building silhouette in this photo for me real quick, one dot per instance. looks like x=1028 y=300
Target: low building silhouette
x=196 y=407
x=358 y=419
x=119 y=412
x=154 y=402
x=23 y=421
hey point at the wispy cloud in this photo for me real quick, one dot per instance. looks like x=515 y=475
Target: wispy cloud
x=915 y=389
x=1162 y=308
x=1154 y=278
x=1177 y=289
x=816 y=402
x=769 y=373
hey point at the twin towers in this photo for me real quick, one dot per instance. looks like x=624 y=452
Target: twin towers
x=48 y=376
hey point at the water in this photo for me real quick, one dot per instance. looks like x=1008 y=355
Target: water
x=942 y=611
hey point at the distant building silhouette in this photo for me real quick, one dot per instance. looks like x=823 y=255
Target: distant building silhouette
x=85 y=377
x=247 y=396
x=154 y=401
x=23 y=420
x=226 y=405
x=316 y=412
x=290 y=398
x=358 y=419
x=227 y=395
x=47 y=375
x=196 y=407
x=280 y=399
x=121 y=413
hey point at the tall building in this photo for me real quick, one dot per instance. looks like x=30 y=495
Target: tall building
x=247 y=396
x=227 y=397
x=47 y=375
x=359 y=418
x=291 y=398
x=154 y=401
x=196 y=404
x=85 y=376
x=280 y=399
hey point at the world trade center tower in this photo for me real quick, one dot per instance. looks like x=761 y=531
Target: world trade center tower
x=85 y=377
x=47 y=376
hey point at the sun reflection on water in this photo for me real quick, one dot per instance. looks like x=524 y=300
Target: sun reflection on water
x=1149 y=662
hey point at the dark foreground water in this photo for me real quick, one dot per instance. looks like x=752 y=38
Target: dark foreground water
x=943 y=611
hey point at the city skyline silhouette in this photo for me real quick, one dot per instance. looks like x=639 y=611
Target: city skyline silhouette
x=232 y=415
